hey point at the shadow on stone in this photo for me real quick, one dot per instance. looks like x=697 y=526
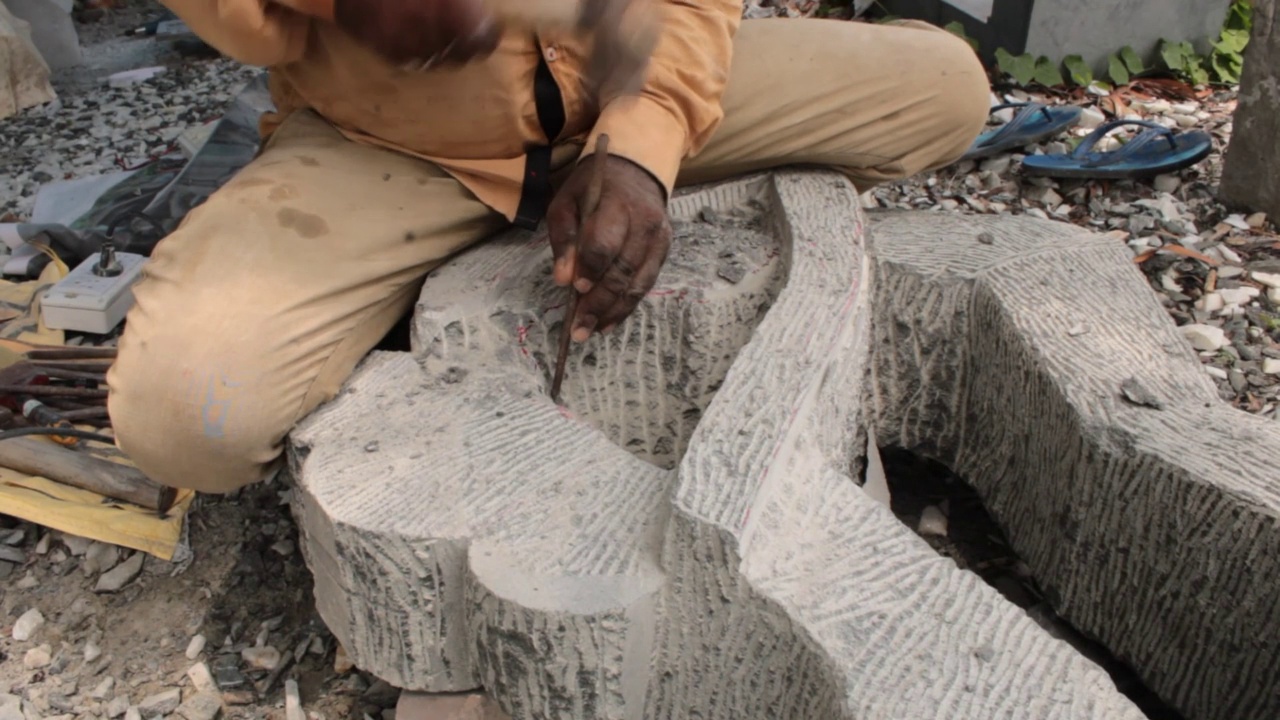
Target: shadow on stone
x=974 y=540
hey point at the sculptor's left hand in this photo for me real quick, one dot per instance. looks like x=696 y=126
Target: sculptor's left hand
x=624 y=243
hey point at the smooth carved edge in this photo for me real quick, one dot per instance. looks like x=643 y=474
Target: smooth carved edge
x=782 y=589
x=1033 y=358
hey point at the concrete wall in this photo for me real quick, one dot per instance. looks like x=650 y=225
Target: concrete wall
x=1056 y=28
x=1096 y=28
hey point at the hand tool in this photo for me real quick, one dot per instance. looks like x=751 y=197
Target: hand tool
x=586 y=210
x=121 y=482
x=623 y=35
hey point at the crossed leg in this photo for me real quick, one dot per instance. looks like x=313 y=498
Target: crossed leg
x=259 y=306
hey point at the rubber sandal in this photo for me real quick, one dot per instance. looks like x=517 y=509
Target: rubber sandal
x=1035 y=122
x=1155 y=151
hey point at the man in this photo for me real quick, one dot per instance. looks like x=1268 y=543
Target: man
x=407 y=130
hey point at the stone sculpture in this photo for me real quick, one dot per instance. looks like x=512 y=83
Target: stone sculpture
x=687 y=538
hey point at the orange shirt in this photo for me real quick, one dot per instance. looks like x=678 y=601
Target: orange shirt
x=478 y=121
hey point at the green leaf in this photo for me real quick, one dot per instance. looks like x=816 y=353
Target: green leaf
x=1240 y=16
x=1198 y=75
x=1232 y=41
x=956 y=28
x=1132 y=62
x=1081 y=73
x=1047 y=72
x=1175 y=55
x=1226 y=69
x=1117 y=71
x=1022 y=68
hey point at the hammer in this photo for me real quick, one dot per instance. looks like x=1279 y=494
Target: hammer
x=623 y=35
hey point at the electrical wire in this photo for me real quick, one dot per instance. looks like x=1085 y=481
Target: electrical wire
x=61 y=432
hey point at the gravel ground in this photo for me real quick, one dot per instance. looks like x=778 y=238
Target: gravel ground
x=90 y=632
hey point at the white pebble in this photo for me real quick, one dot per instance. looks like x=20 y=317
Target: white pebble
x=933 y=522
x=195 y=647
x=1204 y=337
x=1091 y=117
x=1211 y=302
x=38 y=657
x=27 y=625
x=1271 y=366
x=1167 y=183
x=1185 y=121
x=293 y=701
x=1271 y=280
x=1216 y=372
x=1231 y=256
x=262 y=658
x=1273 y=294
x=1256 y=220
x=1237 y=221
x=92 y=651
x=1238 y=296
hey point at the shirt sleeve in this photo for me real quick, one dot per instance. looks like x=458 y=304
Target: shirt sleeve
x=678 y=109
x=255 y=32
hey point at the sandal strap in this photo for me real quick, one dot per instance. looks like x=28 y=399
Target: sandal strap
x=1019 y=120
x=1153 y=131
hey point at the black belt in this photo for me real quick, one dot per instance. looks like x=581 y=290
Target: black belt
x=535 y=191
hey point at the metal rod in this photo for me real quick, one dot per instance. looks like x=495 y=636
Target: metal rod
x=98 y=366
x=586 y=210
x=52 y=391
x=72 y=353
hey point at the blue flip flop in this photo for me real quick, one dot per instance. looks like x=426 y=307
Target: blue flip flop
x=1035 y=122
x=1155 y=151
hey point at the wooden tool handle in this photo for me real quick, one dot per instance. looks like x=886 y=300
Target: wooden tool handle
x=121 y=482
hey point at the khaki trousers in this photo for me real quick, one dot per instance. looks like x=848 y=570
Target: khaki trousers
x=258 y=307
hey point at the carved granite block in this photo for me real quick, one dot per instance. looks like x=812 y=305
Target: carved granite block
x=687 y=537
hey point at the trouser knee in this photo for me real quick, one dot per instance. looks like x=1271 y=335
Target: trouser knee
x=189 y=425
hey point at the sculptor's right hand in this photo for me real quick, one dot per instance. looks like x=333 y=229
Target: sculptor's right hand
x=421 y=33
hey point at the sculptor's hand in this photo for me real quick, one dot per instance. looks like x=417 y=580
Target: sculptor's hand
x=624 y=243
x=423 y=33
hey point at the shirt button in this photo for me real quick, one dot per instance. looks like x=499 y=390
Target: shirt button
x=552 y=54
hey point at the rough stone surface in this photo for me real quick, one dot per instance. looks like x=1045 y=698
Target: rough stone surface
x=52 y=30
x=1147 y=508
x=24 y=75
x=117 y=577
x=10 y=707
x=161 y=703
x=723 y=564
x=200 y=706
x=27 y=625
x=1249 y=175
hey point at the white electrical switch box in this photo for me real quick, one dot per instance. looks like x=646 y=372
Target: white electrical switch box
x=84 y=301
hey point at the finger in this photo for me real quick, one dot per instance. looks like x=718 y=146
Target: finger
x=603 y=236
x=617 y=288
x=562 y=233
x=656 y=243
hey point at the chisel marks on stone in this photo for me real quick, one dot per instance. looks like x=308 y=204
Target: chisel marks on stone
x=1151 y=529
